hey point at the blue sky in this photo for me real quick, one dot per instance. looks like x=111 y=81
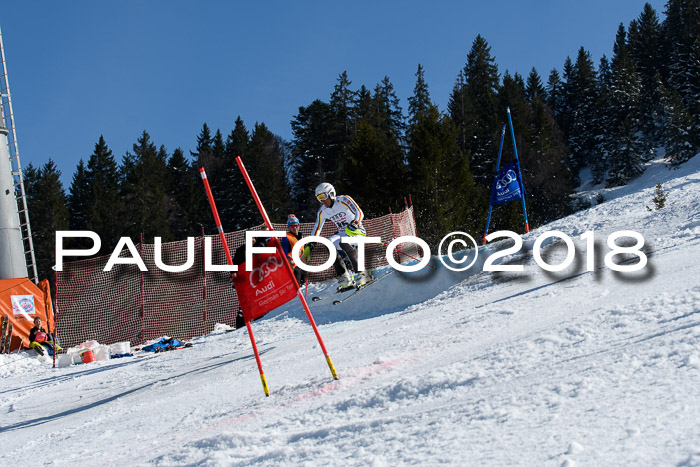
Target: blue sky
x=79 y=69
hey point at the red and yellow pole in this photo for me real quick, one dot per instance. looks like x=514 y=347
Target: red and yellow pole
x=257 y=358
x=224 y=243
x=266 y=219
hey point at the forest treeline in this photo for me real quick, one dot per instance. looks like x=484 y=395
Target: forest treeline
x=605 y=119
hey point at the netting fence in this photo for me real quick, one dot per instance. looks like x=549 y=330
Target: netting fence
x=127 y=304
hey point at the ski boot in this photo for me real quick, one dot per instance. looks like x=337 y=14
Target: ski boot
x=345 y=282
x=363 y=277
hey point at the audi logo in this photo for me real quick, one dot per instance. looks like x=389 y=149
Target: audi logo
x=506 y=179
x=258 y=274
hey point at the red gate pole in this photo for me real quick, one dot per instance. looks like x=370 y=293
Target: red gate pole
x=393 y=233
x=204 y=276
x=288 y=267
x=257 y=358
x=224 y=243
x=143 y=304
x=54 y=311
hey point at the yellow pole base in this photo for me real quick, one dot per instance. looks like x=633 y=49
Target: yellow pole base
x=330 y=365
x=264 y=383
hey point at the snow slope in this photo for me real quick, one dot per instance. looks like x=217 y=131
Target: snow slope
x=479 y=368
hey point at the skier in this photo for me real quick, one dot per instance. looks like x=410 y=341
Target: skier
x=288 y=243
x=347 y=217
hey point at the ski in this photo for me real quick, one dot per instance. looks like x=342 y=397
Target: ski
x=359 y=289
x=3 y=327
x=353 y=289
x=8 y=339
x=337 y=292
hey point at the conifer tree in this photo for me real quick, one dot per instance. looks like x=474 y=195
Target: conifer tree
x=605 y=77
x=341 y=103
x=419 y=103
x=186 y=193
x=374 y=171
x=682 y=27
x=365 y=166
x=604 y=122
x=582 y=98
x=386 y=115
x=216 y=166
x=204 y=143
x=554 y=92
x=363 y=104
x=47 y=205
x=178 y=181
x=374 y=167
x=677 y=137
x=144 y=190
x=209 y=153
x=265 y=165
x=441 y=181
x=647 y=48
x=565 y=112
x=627 y=146
x=459 y=109
x=238 y=209
x=30 y=174
x=534 y=86
x=512 y=94
x=78 y=204
x=545 y=167
x=311 y=160
x=105 y=208
x=217 y=145
x=472 y=107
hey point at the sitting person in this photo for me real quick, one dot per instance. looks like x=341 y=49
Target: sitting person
x=36 y=329
x=40 y=340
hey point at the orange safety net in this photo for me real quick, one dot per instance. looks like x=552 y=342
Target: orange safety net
x=21 y=301
x=126 y=304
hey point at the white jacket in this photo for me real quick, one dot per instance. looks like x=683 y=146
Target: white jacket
x=343 y=211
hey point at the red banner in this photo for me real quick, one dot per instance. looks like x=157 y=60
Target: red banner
x=266 y=287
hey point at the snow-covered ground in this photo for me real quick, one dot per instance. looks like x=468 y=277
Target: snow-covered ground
x=476 y=368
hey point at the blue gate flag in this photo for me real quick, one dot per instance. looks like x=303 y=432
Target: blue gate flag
x=506 y=186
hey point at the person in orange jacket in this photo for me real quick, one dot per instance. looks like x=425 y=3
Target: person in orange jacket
x=288 y=242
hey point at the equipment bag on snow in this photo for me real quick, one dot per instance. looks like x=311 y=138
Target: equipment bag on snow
x=163 y=345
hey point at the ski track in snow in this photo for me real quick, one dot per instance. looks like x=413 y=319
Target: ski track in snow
x=529 y=368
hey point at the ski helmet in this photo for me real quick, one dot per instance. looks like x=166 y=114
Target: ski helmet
x=40 y=337
x=325 y=191
x=292 y=220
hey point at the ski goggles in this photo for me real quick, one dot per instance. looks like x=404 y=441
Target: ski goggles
x=321 y=197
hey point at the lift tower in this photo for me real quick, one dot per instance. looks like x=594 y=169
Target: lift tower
x=16 y=246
